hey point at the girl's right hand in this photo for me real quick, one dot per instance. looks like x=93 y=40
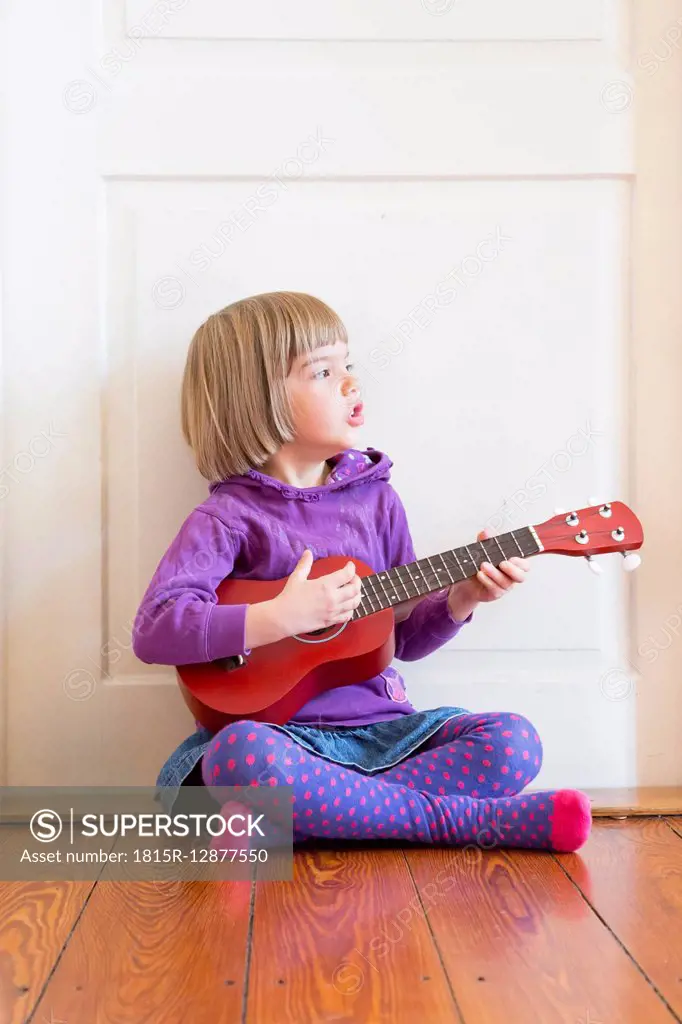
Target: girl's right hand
x=304 y=605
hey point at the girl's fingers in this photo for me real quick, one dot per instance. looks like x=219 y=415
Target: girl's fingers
x=497 y=576
x=515 y=572
x=490 y=584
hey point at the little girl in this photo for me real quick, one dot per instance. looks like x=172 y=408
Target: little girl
x=270 y=409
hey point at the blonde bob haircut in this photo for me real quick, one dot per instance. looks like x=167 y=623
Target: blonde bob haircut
x=235 y=409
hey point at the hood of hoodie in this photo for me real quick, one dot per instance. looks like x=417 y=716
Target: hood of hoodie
x=349 y=469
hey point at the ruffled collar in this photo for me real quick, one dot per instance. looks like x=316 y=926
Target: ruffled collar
x=349 y=468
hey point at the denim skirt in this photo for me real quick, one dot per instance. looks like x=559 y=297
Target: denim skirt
x=365 y=748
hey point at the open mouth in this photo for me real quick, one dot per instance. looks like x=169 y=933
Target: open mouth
x=356 y=417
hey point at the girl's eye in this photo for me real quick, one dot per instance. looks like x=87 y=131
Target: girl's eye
x=349 y=366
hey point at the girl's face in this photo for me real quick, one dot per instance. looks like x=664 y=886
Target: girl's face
x=325 y=397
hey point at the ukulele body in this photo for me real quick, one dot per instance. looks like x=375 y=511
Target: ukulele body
x=277 y=679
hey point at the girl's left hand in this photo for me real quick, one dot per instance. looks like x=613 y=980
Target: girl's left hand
x=489 y=584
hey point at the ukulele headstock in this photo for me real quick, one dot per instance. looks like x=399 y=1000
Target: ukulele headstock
x=595 y=530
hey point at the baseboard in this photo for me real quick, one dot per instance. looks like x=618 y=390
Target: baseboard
x=638 y=800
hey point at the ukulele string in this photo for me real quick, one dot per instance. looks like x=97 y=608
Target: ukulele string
x=430 y=576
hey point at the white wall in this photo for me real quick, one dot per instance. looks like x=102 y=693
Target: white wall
x=408 y=146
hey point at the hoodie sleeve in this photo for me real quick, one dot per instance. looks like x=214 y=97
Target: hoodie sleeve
x=179 y=621
x=430 y=624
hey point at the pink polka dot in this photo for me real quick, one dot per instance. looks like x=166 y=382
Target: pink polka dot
x=251 y=736
x=307 y=795
x=250 y=758
x=232 y=737
x=270 y=758
x=509 y=751
x=504 y=769
x=269 y=741
x=525 y=755
x=231 y=763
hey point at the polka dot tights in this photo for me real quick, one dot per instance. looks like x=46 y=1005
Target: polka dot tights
x=463 y=785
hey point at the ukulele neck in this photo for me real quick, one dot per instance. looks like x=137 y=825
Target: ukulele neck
x=416 y=579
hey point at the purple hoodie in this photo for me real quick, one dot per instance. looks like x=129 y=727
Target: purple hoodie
x=256 y=527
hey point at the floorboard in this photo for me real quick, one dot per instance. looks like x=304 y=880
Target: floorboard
x=154 y=953
x=36 y=919
x=520 y=942
x=630 y=872
x=347 y=940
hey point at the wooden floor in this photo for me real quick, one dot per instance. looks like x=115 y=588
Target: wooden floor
x=364 y=933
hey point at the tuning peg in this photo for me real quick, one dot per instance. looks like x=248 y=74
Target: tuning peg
x=594 y=566
x=630 y=560
x=559 y=511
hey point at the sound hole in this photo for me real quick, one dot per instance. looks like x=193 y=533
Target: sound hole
x=318 y=632
x=231 y=662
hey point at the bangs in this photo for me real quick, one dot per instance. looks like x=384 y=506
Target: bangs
x=309 y=324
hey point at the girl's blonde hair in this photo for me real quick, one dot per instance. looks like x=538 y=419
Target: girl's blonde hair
x=235 y=409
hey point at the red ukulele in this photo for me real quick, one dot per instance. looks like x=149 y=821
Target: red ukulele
x=275 y=680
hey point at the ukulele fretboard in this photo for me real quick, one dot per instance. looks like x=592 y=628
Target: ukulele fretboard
x=385 y=589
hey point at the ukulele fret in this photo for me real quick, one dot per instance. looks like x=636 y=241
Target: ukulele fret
x=504 y=557
x=459 y=564
x=447 y=570
x=396 y=571
x=511 y=534
x=385 y=592
x=473 y=560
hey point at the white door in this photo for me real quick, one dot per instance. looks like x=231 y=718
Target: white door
x=452 y=178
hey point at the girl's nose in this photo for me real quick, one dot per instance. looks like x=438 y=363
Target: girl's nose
x=350 y=386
